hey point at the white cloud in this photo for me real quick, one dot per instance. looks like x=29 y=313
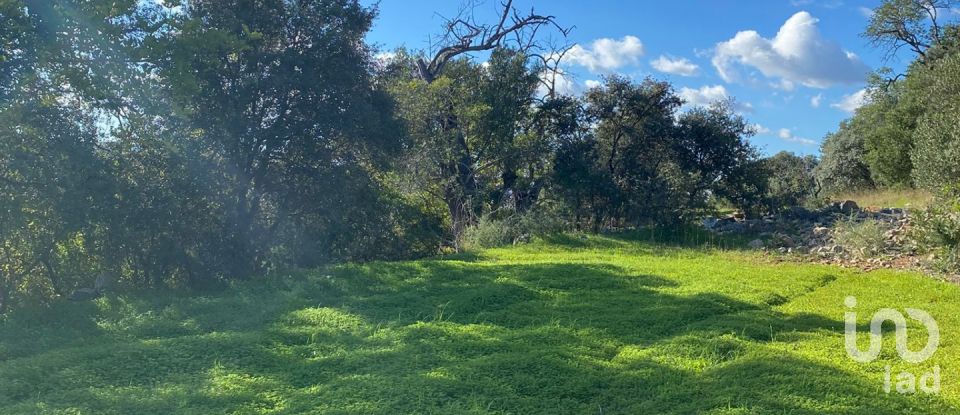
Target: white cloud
x=865 y=11
x=797 y=54
x=815 y=100
x=786 y=135
x=784 y=85
x=563 y=83
x=849 y=103
x=676 y=66
x=606 y=54
x=761 y=130
x=385 y=57
x=707 y=95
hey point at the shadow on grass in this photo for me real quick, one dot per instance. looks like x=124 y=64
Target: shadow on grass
x=432 y=336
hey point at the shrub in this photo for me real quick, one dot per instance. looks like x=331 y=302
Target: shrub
x=513 y=228
x=843 y=167
x=936 y=229
x=936 y=152
x=862 y=239
x=791 y=181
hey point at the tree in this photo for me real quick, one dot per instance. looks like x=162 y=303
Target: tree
x=512 y=36
x=912 y=24
x=475 y=145
x=625 y=157
x=712 y=150
x=937 y=137
x=791 y=181
x=577 y=178
x=843 y=166
x=61 y=70
x=282 y=97
x=464 y=35
x=887 y=124
x=635 y=133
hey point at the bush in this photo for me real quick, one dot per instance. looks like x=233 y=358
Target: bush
x=791 y=181
x=936 y=229
x=862 y=239
x=936 y=152
x=843 y=166
x=513 y=228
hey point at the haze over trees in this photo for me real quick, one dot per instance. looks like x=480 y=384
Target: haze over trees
x=187 y=146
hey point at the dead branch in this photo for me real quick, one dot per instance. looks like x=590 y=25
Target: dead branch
x=464 y=35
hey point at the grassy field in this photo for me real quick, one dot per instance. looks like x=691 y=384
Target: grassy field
x=599 y=325
x=915 y=198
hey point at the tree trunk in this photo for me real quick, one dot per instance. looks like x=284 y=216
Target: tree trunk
x=52 y=274
x=461 y=199
x=4 y=300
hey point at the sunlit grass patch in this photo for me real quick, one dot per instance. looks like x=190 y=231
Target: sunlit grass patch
x=889 y=198
x=580 y=324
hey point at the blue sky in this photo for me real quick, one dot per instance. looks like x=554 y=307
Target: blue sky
x=795 y=66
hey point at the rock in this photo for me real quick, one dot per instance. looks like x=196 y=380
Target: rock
x=733 y=227
x=756 y=244
x=892 y=211
x=710 y=222
x=784 y=241
x=821 y=231
x=800 y=213
x=847 y=207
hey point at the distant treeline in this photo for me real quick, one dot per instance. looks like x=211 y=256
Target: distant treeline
x=215 y=140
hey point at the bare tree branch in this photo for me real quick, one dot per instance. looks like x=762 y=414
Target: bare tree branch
x=551 y=67
x=463 y=35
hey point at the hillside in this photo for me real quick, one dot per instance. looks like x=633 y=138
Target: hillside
x=576 y=325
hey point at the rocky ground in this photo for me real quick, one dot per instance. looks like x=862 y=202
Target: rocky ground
x=814 y=235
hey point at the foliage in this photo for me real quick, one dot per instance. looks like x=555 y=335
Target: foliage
x=936 y=153
x=714 y=157
x=843 y=166
x=546 y=328
x=911 y=24
x=936 y=229
x=473 y=142
x=791 y=180
x=190 y=146
x=861 y=238
x=887 y=124
x=514 y=227
x=644 y=163
x=905 y=122
x=186 y=148
x=937 y=150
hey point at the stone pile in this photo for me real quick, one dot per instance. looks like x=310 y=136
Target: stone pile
x=811 y=233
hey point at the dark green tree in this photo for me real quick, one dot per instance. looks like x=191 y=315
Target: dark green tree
x=282 y=98
x=792 y=181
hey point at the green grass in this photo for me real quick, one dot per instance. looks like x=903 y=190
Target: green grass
x=602 y=325
x=889 y=198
